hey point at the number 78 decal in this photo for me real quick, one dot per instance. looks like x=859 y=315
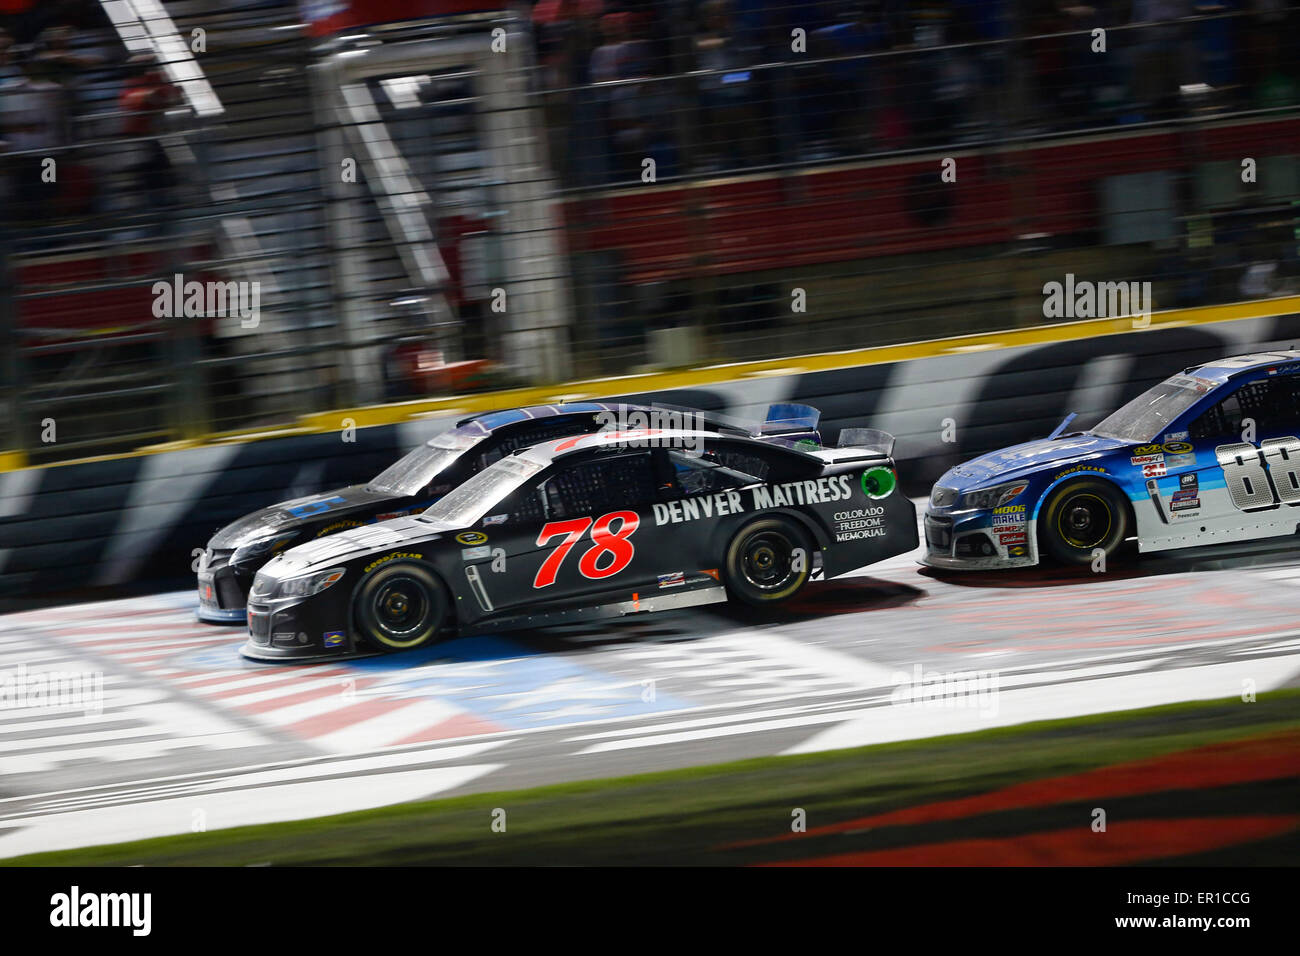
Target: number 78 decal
x=604 y=541
x=1247 y=470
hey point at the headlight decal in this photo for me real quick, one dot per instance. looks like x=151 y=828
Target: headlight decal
x=994 y=497
x=308 y=584
x=255 y=549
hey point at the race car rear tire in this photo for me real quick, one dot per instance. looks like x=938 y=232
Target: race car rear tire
x=400 y=607
x=768 y=561
x=1081 y=516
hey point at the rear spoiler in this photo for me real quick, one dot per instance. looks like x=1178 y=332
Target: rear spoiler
x=882 y=443
x=787 y=418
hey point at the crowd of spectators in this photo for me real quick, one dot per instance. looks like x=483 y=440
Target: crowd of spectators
x=65 y=81
x=701 y=86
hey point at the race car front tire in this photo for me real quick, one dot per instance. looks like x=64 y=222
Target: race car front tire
x=401 y=607
x=768 y=561
x=1081 y=517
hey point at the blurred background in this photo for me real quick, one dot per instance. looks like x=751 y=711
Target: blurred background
x=442 y=197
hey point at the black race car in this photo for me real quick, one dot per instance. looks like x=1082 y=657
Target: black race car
x=603 y=524
x=235 y=552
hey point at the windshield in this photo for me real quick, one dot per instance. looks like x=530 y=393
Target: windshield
x=408 y=475
x=1150 y=414
x=465 y=505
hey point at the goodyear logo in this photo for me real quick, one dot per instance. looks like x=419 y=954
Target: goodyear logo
x=1077 y=469
x=392 y=557
x=471 y=537
x=337 y=526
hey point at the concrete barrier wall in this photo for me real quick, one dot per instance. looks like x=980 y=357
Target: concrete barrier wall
x=133 y=523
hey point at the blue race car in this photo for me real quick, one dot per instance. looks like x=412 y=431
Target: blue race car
x=1208 y=456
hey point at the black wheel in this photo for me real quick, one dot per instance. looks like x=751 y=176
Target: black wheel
x=401 y=607
x=768 y=561
x=1080 y=517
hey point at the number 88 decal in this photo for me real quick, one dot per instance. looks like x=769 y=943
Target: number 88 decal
x=1246 y=471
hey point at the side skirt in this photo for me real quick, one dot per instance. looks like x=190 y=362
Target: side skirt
x=643 y=605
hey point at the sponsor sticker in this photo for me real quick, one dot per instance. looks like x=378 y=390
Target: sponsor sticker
x=390 y=557
x=1180 y=461
x=1017 y=537
x=471 y=537
x=1017 y=551
x=490 y=520
x=1176 y=436
x=1095 y=469
x=860 y=523
x=480 y=553
x=1009 y=518
x=337 y=526
x=335 y=638
x=1195 y=382
x=1187 y=498
x=1178 y=447
x=878 y=482
x=1141 y=450
x=672 y=579
x=1146 y=459
x=315 y=507
x=1154 y=470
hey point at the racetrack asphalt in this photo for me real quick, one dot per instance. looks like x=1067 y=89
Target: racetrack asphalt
x=178 y=732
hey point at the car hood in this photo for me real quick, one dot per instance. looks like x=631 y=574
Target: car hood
x=396 y=534
x=281 y=517
x=1022 y=460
